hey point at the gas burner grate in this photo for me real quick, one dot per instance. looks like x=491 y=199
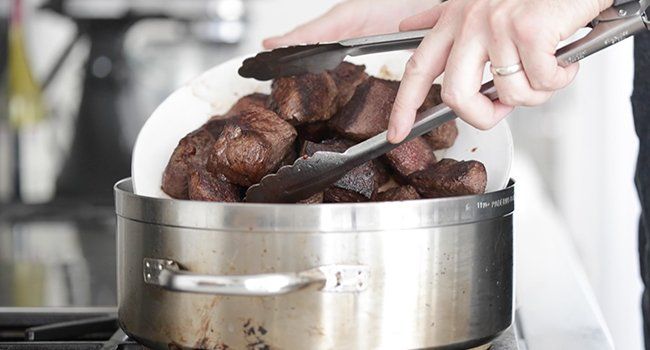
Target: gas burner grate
x=62 y=330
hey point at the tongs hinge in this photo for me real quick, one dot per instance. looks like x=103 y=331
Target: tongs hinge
x=626 y=10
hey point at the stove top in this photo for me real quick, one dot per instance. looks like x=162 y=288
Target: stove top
x=97 y=329
x=62 y=329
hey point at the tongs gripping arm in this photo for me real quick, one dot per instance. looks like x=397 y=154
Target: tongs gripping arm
x=611 y=26
x=626 y=10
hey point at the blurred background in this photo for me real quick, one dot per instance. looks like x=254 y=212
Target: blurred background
x=78 y=78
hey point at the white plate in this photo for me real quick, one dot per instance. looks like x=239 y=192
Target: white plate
x=216 y=90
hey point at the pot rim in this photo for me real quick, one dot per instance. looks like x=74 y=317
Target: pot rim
x=326 y=217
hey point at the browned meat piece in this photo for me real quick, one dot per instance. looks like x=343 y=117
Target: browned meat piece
x=358 y=185
x=317 y=198
x=291 y=157
x=402 y=193
x=255 y=99
x=449 y=178
x=367 y=113
x=410 y=157
x=445 y=135
x=204 y=186
x=314 y=132
x=339 y=145
x=433 y=98
x=332 y=145
x=383 y=173
x=341 y=195
x=304 y=98
x=251 y=145
x=214 y=127
x=191 y=153
x=347 y=77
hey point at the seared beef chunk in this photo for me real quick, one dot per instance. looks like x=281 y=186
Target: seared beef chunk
x=190 y=154
x=445 y=135
x=347 y=77
x=256 y=100
x=383 y=174
x=304 y=98
x=358 y=185
x=338 y=145
x=341 y=195
x=314 y=132
x=291 y=157
x=214 y=127
x=433 y=98
x=317 y=198
x=251 y=145
x=410 y=157
x=367 y=113
x=203 y=186
x=332 y=145
x=402 y=193
x=449 y=178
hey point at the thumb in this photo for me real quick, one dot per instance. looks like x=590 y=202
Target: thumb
x=423 y=20
x=331 y=26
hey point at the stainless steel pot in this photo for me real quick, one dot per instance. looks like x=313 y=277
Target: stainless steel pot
x=393 y=275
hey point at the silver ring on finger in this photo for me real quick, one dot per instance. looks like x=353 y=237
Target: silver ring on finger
x=504 y=71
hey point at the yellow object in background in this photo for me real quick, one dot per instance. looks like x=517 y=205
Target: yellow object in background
x=25 y=99
x=29 y=284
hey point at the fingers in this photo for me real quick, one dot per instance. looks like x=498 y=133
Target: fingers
x=424 y=66
x=329 y=27
x=535 y=48
x=542 y=69
x=462 y=82
x=514 y=89
x=422 y=20
x=505 y=32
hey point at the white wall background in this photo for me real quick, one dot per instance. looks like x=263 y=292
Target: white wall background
x=585 y=145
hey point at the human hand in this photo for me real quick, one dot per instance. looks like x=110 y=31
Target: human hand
x=466 y=34
x=352 y=18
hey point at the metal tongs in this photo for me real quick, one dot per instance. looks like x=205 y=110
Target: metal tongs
x=308 y=176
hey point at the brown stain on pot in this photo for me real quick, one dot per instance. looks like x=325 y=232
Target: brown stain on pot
x=205 y=333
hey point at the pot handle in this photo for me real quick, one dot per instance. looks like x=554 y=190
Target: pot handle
x=330 y=278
